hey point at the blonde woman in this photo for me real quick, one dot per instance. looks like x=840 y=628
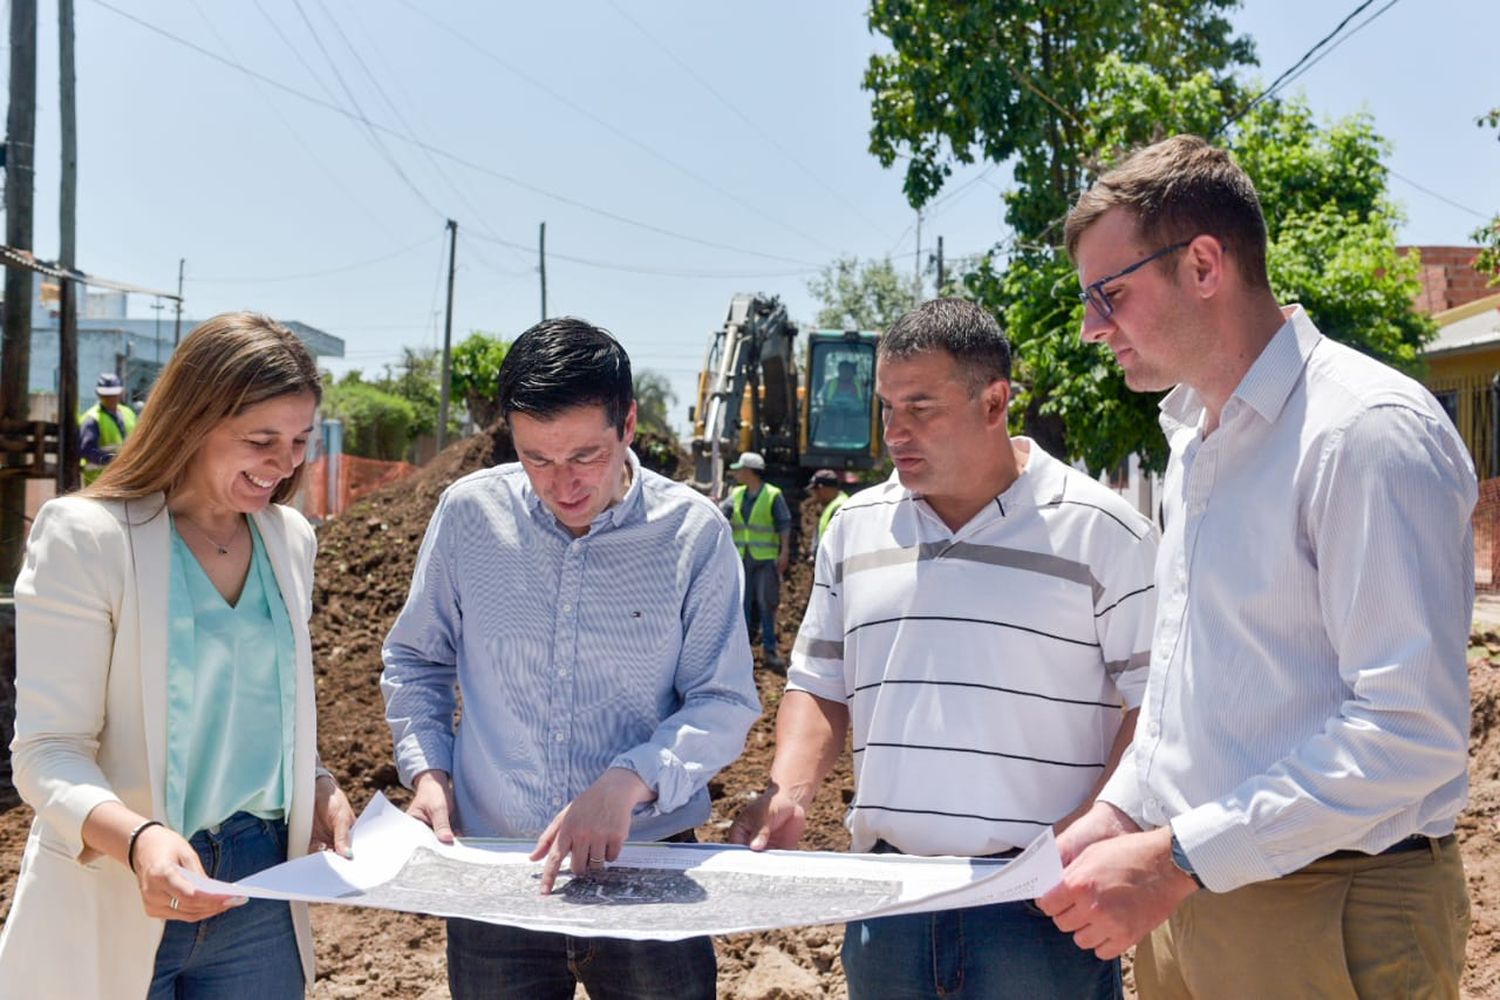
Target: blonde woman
x=164 y=709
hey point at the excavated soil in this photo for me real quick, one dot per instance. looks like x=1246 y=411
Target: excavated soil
x=364 y=567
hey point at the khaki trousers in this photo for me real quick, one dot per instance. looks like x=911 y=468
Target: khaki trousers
x=1366 y=928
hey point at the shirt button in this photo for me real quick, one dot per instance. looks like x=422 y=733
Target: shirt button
x=568 y=609
x=557 y=800
x=563 y=672
x=1154 y=729
x=558 y=736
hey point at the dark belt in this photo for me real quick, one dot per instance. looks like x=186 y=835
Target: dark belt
x=1417 y=842
x=885 y=847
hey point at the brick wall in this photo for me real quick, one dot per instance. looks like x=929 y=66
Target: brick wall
x=1449 y=279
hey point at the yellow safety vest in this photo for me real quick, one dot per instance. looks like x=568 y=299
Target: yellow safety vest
x=828 y=512
x=758 y=535
x=110 y=437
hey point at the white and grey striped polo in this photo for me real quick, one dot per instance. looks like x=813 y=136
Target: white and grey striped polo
x=987 y=669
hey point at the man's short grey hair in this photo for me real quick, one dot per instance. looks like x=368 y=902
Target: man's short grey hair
x=968 y=332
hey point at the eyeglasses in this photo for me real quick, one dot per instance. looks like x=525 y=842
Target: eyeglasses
x=1095 y=295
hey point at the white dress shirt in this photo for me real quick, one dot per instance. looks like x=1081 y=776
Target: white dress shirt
x=1308 y=688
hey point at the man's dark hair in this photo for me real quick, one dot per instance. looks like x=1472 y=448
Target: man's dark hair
x=1177 y=189
x=562 y=363
x=966 y=331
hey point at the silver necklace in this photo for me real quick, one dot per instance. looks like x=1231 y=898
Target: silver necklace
x=223 y=547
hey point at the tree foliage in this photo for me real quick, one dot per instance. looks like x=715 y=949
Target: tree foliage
x=377 y=424
x=862 y=295
x=1488 y=235
x=1003 y=79
x=417 y=379
x=1065 y=93
x=654 y=399
x=474 y=375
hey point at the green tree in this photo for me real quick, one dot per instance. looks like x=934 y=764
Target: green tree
x=474 y=374
x=653 y=399
x=861 y=295
x=377 y=424
x=1332 y=234
x=1061 y=92
x=416 y=380
x=1009 y=80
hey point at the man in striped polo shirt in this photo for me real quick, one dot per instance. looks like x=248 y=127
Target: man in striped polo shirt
x=983 y=619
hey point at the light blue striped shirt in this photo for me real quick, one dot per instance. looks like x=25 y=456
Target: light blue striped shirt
x=623 y=648
x=1309 y=687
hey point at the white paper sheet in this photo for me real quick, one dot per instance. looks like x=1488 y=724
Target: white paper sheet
x=653 y=891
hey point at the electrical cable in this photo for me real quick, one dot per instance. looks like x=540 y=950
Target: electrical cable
x=451 y=157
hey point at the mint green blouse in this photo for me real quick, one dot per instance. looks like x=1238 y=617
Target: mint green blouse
x=230 y=695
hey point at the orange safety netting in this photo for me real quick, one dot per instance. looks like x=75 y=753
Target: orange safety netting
x=356 y=478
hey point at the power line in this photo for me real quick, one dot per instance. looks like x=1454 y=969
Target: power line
x=296 y=135
x=615 y=130
x=764 y=133
x=451 y=157
x=1291 y=72
x=380 y=147
x=474 y=214
x=1440 y=197
x=340 y=269
x=641 y=269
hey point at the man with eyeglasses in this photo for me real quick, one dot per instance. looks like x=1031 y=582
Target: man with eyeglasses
x=1282 y=824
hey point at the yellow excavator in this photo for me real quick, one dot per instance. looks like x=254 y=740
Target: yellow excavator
x=754 y=396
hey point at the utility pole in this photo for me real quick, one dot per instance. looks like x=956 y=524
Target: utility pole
x=541 y=249
x=446 y=387
x=68 y=472
x=940 y=276
x=15 y=354
x=177 y=333
x=157 y=306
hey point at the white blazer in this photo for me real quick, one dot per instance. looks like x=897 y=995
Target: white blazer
x=91 y=727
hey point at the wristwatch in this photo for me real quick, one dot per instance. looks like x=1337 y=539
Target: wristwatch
x=1180 y=859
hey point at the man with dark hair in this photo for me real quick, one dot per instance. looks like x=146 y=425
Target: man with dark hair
x=762 y=527
x=588 y=612
x=1283 y=823
x=982 y=619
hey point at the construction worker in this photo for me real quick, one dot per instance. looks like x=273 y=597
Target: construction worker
x=843 y=417
x=763 y=535
x=103 y=428
x=824 y=488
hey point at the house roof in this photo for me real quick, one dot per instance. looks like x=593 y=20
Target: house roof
x=1467 y=328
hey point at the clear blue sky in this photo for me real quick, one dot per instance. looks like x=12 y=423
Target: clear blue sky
x=732 y=137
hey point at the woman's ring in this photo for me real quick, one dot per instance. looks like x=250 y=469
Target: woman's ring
x=174 y=904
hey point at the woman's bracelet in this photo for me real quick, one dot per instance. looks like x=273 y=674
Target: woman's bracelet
x=134 y=836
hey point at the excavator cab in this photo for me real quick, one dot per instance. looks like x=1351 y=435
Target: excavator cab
x=840 y=425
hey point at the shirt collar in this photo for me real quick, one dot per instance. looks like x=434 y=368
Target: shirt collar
x=1268 y=384
x=1041 y=480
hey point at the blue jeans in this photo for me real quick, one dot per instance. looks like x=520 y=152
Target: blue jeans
x=762 y=595
x=246 y=951
x=491 y=962
x=1006 y=951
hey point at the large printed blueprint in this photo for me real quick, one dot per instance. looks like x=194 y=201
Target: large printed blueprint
x=660 y=891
